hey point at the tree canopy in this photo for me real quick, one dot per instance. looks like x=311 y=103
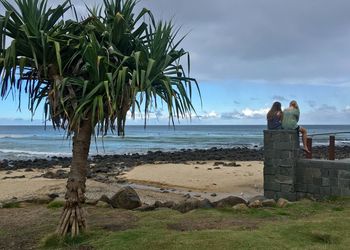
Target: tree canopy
x=103 y=65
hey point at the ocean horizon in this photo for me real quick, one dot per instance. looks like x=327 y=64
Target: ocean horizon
x=36 y=141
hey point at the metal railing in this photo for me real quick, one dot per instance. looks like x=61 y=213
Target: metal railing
x=331 y=146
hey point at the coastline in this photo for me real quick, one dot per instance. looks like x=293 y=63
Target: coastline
x=131 y=160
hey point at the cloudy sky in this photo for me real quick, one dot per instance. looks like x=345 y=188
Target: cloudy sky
x=248 y=53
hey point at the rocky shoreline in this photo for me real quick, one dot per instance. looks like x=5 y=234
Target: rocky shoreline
x=106 y=163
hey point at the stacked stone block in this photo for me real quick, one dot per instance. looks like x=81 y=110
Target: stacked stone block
x=322 y=178
x=281 y=152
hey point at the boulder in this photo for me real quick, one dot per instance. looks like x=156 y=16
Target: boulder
x=126 y=198
x=187 y=205
x=255 y=204
x=205 y=204
x=191 y=204
x=269 y=203
x=282 y=202
x=240 y=207
x=229 y=202
x=257 y=197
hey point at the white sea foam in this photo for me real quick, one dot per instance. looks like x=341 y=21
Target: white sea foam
x=32 y=153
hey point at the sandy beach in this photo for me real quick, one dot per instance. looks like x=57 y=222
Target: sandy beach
x=152 y=181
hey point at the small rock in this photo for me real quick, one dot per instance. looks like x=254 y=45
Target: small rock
x=197 y=195
x=210 y=169
x=218 y=163
x=165 y=191
x=9 y=172
x=187 y=196
x=240 y=207
x=196 y=167
x=53 y=195
x=217 y=168
x=213 y=194
x=282 y=202
x=257 y=197
x=255 y=204
x=14 y=177
x=28 y=170
x=158 y=204
x=269 y=203
x=121 y=181
x=205 y=204
x=169 y=204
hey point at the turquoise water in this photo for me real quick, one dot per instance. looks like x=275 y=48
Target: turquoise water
x=27 y=142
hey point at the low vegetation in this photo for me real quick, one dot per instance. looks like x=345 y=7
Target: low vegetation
x=302 y=225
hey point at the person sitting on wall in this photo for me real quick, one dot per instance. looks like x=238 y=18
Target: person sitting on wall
x=290 y=121
x=274 y=116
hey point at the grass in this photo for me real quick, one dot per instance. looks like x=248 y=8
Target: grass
x=302 y=225
x=55 y=204
x=12 y=205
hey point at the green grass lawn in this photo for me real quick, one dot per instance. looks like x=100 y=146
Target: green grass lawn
x=302 y=225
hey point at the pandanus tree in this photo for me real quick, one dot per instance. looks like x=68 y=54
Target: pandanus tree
x=88 y=73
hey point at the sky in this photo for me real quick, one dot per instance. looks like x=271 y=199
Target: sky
x=246 y=54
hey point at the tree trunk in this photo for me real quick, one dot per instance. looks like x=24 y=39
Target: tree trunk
x=73 y=216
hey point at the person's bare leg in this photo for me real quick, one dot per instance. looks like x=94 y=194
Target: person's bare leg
x=304 y=138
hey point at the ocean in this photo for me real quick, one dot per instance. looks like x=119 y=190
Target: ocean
x=28 y=142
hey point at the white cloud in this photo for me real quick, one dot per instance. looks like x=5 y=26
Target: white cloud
x=251 y=113
x=210 y=115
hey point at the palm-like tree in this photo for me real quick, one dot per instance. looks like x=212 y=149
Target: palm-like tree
x=89 y=74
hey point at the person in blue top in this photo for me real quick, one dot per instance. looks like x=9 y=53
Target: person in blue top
x=290 y=121
x=274 y=116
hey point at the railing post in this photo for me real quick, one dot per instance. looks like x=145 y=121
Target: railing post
x=309 y=146
x=331 y=148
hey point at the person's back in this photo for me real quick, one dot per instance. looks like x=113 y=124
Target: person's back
x=274 y=116
x=290 y=121
x=290 y=118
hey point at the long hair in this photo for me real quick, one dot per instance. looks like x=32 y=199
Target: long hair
x=294 y=104
x=276 y=106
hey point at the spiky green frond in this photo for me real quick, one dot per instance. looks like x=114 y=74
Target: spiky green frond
x=114 y=60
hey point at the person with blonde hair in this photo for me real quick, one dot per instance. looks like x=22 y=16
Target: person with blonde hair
x=290 y=121
x=274 y=116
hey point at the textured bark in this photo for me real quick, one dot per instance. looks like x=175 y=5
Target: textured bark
x=73 y=219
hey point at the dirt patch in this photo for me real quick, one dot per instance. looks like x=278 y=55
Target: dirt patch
x=22 y=228
x=214 y=223
x=113 y=220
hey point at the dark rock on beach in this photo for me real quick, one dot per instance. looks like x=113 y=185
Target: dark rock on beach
x=229 y=202
x=102 y=164
x=126 y=198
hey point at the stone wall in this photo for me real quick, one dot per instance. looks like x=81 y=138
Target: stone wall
x=288 y=176
x=322 y=178
x=281 y=151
